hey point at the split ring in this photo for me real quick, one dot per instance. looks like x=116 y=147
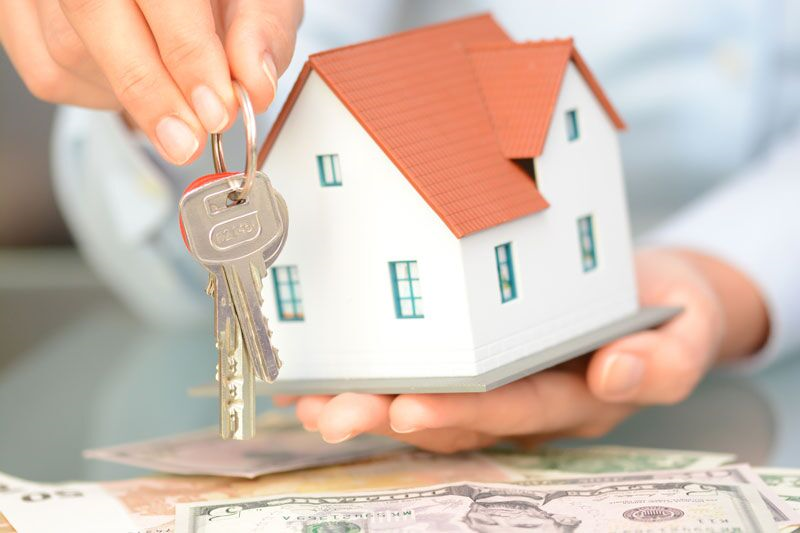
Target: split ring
x=243 y=185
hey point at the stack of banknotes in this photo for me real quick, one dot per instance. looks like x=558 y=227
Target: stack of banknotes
x=289 y=481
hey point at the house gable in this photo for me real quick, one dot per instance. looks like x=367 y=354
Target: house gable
x=521 y=83
x=343 y=241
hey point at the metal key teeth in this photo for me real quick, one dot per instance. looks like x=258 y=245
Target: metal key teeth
x=211 y=287
x=233 y=421
x=258 y=270
x=274 y=349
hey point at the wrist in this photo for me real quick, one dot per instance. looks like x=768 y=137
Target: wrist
x=745 y=319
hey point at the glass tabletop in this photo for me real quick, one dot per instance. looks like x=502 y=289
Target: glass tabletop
x=78 y=370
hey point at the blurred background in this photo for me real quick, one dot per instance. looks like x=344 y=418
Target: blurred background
x=103 y=321
x=29 y=216
x=75 y=360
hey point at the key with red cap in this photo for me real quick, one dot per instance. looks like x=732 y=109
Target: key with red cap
x=236 y=242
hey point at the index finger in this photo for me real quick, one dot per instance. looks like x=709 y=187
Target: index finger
x=117 y=36
x=192 y=52
x=260 y=43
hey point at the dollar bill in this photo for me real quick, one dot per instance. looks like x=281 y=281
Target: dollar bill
x=675 y=506
x=547 y=462
x=782 y=513
x=781 y=479
x=149 y=502
x=38 y=507
x=5 y=525
x=280 y=445
x=785 y=482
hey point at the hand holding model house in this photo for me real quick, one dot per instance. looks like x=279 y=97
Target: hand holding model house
x=723 y=319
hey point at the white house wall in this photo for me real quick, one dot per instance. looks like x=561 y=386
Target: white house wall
x=342 y=239
x=556 y=299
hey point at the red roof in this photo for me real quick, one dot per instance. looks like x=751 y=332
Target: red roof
x=449 y=116
x=521 y=83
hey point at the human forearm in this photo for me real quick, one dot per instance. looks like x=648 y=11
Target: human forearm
x=750 y=224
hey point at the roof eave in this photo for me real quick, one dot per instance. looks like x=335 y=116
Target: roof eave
x=594 y=85
x=272 y=136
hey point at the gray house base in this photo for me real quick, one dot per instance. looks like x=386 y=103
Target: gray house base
x=646 y=318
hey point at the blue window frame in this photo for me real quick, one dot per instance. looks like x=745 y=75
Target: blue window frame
x=287 y=293
x=586 y=237
x=406 y=290
x=330 y=175
x=572 y=125
x=505 y=272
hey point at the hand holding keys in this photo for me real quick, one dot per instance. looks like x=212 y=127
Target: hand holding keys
x=235 y=225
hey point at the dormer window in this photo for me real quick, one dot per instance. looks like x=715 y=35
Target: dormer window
x=572 y=125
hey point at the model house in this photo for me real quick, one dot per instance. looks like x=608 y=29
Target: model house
x=456 y=203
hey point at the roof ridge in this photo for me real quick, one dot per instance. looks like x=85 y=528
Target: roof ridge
x=544 y=42
x=504 y=45
x=429 y=27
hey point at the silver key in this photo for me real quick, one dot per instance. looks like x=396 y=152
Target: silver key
x=243 y=239
x=234 y=371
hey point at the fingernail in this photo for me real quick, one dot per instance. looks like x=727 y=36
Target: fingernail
x=268 y=66
x=622 y=375
x=177 y=139
x=404 y=429
x=209 y=109
x=336 y=440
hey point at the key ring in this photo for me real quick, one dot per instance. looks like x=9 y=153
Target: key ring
x=242 y=188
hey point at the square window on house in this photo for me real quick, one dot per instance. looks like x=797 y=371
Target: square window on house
x=572 y=125
x=505 y=272
x=586 y=238
x=288 y=297
x=330 y=175
x=406 y=289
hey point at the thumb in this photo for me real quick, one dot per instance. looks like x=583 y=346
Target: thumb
x=260 y=42
x=651 y=367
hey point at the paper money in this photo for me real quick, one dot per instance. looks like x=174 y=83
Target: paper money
x=781 y=513
x=149 y=502
x=280 y=445
x=38 y=507
x=675 y=506
x=147 y=505
x=547 y=462
x=785 y=482
x=5 y=525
